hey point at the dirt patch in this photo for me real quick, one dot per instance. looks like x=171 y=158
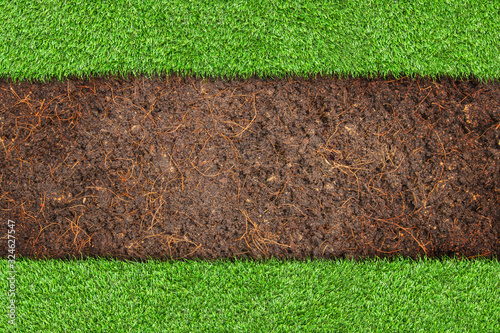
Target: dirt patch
x=183 y=168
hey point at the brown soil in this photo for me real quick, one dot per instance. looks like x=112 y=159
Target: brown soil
x=178 y=167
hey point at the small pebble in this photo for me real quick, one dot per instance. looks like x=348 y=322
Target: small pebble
x=135 y=129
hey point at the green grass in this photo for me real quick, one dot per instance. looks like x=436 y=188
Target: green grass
x=240 y=38
x=247 y=296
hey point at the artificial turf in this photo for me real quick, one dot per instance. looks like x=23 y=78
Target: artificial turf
x=42 y=40
x=447 y=295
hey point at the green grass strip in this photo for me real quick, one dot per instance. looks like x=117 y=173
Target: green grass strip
x=239 y=38
x=247 y=296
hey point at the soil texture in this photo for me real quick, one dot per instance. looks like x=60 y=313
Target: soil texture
x=179 y=167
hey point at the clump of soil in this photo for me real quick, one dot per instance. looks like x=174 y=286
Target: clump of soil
x=179 y=167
